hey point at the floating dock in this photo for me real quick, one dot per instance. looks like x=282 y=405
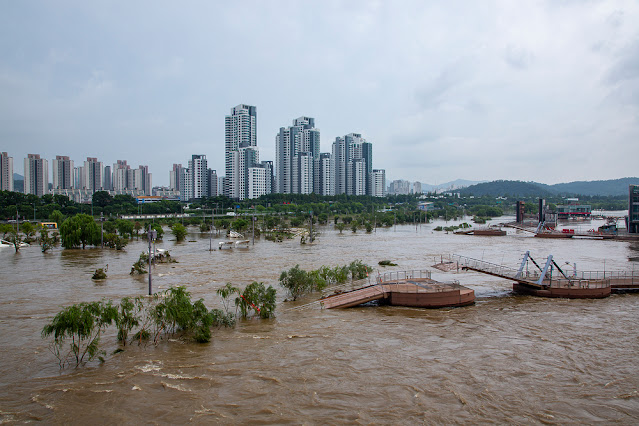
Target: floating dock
x=485 y=232
x=544 y=282
x=405 y=288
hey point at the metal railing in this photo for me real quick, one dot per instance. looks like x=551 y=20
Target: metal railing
x=492 y=268
x=403 y=275
x=577 y=283
x=599 y=275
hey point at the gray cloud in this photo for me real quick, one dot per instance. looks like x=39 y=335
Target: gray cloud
x=486 y=90
x=518 y=57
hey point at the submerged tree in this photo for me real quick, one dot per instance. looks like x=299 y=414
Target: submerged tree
x=46 y=241
x=296 y=281
x=79 y=230
x=179 y=231
x=76 y=331
x=258 y=299
x=15 y=239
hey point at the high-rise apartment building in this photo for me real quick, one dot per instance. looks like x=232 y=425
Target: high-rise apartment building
x=174 y=177
x=62 y=172
x=142 y=180
x=379 y=183
x=198 y=176
x=301 y=139
x=303 y=173
x=240 y=135
x=400 y=187
x=185 y=184
x=257 y=179
x=6 y=172
x=121 y=176
x=36 y=175
x=93 y=174
x=352 y=165
x=108 y=179
x=270 y=178
x=322 y=182
x=212 y=183
x=356 y=177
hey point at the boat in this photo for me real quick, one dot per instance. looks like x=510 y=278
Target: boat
x=234 y=234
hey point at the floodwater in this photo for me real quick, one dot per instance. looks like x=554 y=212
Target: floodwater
x=508 y=358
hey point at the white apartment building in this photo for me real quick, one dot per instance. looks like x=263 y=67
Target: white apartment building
x=240 y=131
x=36 y=175
x=6 y=172
x=379 y=183
x=257 y=182
x=93 y=176
x=303 y=173
x=62 y=172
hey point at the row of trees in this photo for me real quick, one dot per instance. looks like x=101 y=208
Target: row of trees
x=299 y=282
x=76 y=331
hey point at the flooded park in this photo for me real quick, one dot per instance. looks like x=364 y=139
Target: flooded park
x=507 y=358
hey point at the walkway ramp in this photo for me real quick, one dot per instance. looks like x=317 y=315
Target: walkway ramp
x=354 y=297
x=467 y=263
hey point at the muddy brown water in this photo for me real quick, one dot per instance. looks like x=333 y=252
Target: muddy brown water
x=508 y=358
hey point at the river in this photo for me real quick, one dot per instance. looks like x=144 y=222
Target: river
x=506 y=359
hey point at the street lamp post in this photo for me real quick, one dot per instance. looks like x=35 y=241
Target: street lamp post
x=211 y=233
x=151 y=233
x=102 y=229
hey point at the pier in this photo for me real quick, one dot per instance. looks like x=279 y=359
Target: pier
x=404 y=288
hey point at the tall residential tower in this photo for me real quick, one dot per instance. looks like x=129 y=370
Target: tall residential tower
x=240 y=150
x=6 y=172
x=36 y=175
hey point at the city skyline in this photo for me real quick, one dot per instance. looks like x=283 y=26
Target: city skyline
x=549 y=91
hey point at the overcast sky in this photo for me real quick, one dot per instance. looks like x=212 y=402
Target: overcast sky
x=479 y=90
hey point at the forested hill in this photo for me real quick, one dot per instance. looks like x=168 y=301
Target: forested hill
x=509 y=188
x=614 y=188
x=606 y=188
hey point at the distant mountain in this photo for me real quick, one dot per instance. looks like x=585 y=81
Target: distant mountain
x=18 y=183
x=507 y=188
x=17 y=177
x=614 y=187
x=452 y=185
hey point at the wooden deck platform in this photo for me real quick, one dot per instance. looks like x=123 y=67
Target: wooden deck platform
x=417 y=292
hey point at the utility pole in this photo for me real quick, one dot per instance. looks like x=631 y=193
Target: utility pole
x=151 y=233
x=102 y=229
x=253 y=229
x=394 y=220
x=310 y=235
x=211 y=233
